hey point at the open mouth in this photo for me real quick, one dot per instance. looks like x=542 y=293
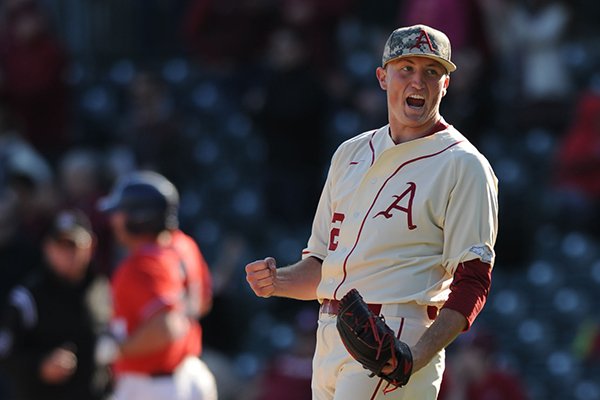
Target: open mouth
x=415 y=101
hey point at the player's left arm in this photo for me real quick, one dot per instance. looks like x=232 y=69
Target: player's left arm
x=206 y=297
x=469 y=291
x=446 y=327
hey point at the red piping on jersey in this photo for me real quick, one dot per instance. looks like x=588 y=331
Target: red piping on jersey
x=373 y=204
x=374 y=395
x=372 y=148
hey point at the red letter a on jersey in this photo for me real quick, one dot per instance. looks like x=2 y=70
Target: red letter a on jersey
x=410 y=192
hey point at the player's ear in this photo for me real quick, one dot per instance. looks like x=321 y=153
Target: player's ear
x=446 y=84
x=381 y=77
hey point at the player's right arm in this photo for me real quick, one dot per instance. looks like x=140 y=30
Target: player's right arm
x=157 y=332
x=297 y=281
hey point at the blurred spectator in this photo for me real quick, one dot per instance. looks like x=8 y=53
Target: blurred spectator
x=223 y=34
x=18 y=252
x=577 y=168
x=51 y=321
x=153 y=129
x=317 y=22
x=33 y=69
x=472 y=372
x=81 y=182
x=540 y=28
x=292 y=120
x=18 y=249
x=28 y=175
x=529 y=37
x=459 y=19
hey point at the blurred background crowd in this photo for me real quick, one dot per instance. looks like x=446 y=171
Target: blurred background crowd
x=242 y=102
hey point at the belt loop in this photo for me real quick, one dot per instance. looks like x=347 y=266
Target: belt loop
x=432 y=312
x=376 y=308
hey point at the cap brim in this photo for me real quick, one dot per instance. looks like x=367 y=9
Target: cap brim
x=80 y=236
x=450 y=66
x=107 y=204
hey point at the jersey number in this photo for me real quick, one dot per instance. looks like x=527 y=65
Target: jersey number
x=335 y=232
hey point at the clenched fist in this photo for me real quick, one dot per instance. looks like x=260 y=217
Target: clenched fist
x=262 y=276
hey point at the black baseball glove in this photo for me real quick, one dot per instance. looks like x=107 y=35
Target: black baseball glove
x=370 y=341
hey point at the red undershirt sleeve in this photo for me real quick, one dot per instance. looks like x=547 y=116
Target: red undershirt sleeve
x=469 y=289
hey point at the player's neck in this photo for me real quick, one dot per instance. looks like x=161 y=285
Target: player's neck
x=162 y=239
x=141 y=241
x=402 y=134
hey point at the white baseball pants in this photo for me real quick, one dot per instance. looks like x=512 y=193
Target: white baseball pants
x=337 y=376
x=192 y=380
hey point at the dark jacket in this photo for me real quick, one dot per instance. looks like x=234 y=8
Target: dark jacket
x=44 y=313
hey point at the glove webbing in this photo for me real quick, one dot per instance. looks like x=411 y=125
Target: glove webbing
x=387 y=388
x=371 y=324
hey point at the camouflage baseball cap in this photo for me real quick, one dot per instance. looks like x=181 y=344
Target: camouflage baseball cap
x=418 y=41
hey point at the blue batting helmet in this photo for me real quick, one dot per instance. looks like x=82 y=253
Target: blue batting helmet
x=149 y=200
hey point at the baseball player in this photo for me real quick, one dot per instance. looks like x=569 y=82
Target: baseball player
x=159 y=291
x=408 y=217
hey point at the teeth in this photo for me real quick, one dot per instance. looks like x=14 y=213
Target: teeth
x=417 y=96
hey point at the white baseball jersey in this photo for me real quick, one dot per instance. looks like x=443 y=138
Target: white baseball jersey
x=395 y=221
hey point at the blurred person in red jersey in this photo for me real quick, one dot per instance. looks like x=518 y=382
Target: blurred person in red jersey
x=473 y=374
x=33 y=71
x=160 y=290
